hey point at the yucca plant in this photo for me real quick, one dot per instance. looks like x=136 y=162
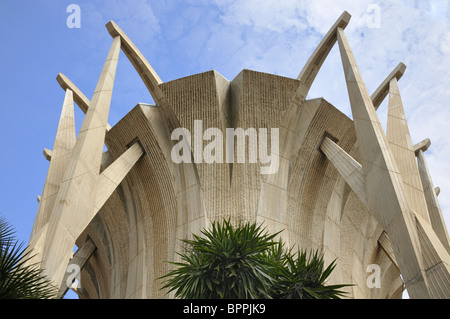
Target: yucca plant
x=17 y=279
x=226 y=263
x=303 y=276
x=246 y=262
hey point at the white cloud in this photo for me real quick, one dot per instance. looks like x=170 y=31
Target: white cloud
x=144 y=24
x=275 y=16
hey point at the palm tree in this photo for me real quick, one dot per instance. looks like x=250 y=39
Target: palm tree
x=226 y=263
x=17 y=279
x=302 y=276
x=245 y=262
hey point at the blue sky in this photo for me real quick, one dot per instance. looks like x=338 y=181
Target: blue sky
x=181 y=38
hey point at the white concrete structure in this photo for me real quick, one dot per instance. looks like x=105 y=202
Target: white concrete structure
x=360 y=195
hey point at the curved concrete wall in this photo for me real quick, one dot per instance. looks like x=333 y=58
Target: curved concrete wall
x=139 y=226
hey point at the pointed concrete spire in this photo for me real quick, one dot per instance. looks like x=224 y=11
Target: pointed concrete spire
x=434 y=209
x=75 y=200
x=80 y=99
x=62 y=149
x=400 y=144
x=385 y=194
x=347 y=166
x=78 y=96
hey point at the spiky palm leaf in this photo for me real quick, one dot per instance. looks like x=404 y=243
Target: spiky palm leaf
x=303 y=276
x=225 y=263
x=245 y=263
x=17 y=279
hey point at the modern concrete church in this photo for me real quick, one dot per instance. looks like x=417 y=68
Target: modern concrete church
x=344 y=186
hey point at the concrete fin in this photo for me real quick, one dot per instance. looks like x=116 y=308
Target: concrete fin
x=436 y=260
x=434 y=208
x=422 y=146
x=79 y=98
x=382 y=91
x=312 y=66
x=384 y=187
x=47 y=154
x=140 y=63
x=386 y=245
x=79 y=260
x=59 y=158
x=75 y=203
x=147 y=74
x=315 y=61
x=399 y=139
x=347 y=167
x=113 y=175
x=437 y=190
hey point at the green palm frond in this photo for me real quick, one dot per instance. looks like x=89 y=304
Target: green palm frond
x=17 y=279
x=303 y=276
x=223 y=263
x=246 y=262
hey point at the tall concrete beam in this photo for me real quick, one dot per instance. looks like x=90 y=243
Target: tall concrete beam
x=62 y=150
x=432 y=202
x=80 y=99
x=74 y=207
x=400 y=144
x=79 y=260
x=384 y=186
x=347 y=167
